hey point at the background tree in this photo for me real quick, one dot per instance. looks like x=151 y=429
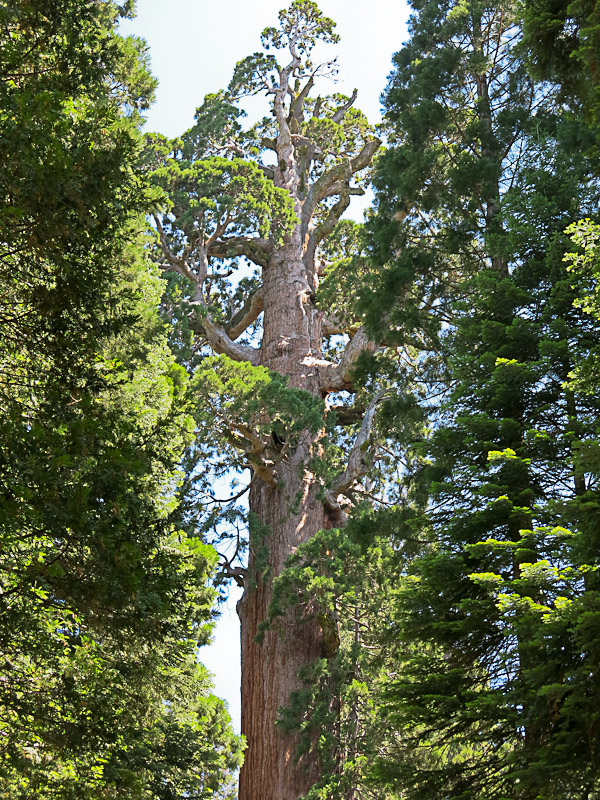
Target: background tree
x=484 y=174
x=103 y=602
x=562 y=41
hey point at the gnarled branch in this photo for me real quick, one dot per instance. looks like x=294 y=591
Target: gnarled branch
x=333 y=217
x=336 y=377
x=341 y=111
x=335 y=180
x=220 y=342
x=237 y=573
x=246 y=315
x=269 y=172
x=255 y=249
x=358 y=461
x=298 y=102
x=242 y=438
x=177 y=264
x=334 y=325
x=217 y=336
x=345 y=415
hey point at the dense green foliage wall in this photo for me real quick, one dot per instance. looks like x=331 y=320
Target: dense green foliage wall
x=459 y=605
x=102 y=601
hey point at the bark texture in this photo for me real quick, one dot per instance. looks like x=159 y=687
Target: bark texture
x=292 y=513
x=294 y=509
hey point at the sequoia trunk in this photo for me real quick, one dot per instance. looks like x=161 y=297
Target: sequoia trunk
x=285 y=517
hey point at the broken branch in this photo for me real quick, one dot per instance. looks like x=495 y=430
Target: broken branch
x=246 y=315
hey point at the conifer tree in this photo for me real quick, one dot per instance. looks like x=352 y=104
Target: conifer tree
x=271 y=198
x=102 y=601
x=562 y=42
x=488 y=697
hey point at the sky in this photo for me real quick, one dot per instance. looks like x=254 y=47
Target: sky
x=194 y=46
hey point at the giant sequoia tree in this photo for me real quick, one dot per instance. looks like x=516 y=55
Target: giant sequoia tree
x=271 y=197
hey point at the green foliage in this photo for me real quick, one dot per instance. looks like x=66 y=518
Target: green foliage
x=584 y=263
x=222 y=196
x=491 y=699
x=457 y=111
x=562 y=41
x=254 y=402
x=479 y=677
x=345 y=582
x=300 y=27
x=251 y=74
x=104 y=602
x=217 y=129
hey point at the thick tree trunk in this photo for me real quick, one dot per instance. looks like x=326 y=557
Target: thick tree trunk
x=293 y=513
x=269 y=669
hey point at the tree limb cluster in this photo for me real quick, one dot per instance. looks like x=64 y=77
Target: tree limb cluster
x=220 y=337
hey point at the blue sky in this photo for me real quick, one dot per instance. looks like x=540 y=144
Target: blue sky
x=194 y=45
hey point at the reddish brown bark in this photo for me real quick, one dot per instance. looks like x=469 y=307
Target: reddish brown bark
x=293 y=513
x=269 y=669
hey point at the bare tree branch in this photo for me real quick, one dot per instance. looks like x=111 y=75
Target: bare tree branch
x=345 y=415
x=268 y=171
x=255 y=249
x=358 y=461
x=237 y=573
x=246 y=315
x=337 y=178
x=216 y=334
x=178 y=264
x=222 y=343
x=242 y=438
x=334 y=325
x=341 y=112
x=269 y=144
x=336 y=377
x=298 y=103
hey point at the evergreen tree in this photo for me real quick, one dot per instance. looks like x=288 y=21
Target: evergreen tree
x=103 y=602
x=489 y=653
x=251 y=231
x=562 y=41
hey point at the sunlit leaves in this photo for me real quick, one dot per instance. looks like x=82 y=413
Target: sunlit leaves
x=220 y=197
x=302 y=25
